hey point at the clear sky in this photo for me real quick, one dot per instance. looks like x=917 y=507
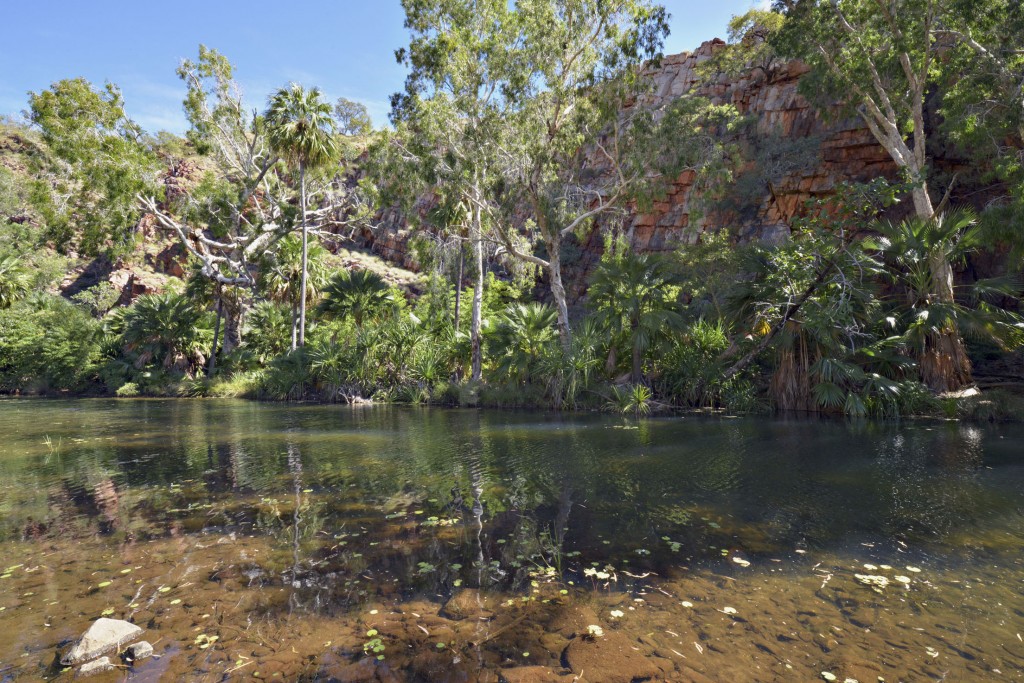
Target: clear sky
x=346 y=47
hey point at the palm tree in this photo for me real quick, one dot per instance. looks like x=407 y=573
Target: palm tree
x=15 y=280
x=282 y=279
x=301 y=130
x=522 y=337
x=165 y=328
x=359 y=294
x=632 y=295
x=919 y=252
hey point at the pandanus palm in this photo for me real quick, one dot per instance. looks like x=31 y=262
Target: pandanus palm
x=168 y=329
x=632 y=296
x=523 y=336
x=920 y=252
x=301 y=130
x=359 y=294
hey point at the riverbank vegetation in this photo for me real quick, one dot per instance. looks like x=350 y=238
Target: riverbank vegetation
x=521 y=139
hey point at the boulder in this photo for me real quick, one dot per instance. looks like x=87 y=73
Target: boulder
x=138 y=651
x=97 y=666
x=105 y=635
x=530 y=674
x=611 y=658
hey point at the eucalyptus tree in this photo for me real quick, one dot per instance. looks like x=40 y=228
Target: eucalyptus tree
x=94 y=163
x=301 y=130
x=235 y=213
x=879 y=60
x=452 y=115
x=581 y=144
x=352 y=118
x=983 y=105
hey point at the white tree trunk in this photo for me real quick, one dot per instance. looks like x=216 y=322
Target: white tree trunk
x=305 y=236
x=558 y=290
x=478 y=294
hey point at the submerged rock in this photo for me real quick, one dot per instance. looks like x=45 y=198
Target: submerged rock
x=105 y=635
x=613 y=658
x=468 y=603
x=529 y=674
x=138 y=651
x=95 y=667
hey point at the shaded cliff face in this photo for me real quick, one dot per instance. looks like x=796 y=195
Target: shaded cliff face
x=789 y=154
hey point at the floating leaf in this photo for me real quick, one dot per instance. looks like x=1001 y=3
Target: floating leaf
x=915 y=570
x=616 y=613
x=371 y=633
x=107 y=612
x=104 y=584
x=176 y=601
x=729 y=610
x=828 y=676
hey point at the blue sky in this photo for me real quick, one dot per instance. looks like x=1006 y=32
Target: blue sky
x=346 y=47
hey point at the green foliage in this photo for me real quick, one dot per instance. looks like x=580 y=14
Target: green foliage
x=281 y=271
x=707 y=271
x=635 y=399
x=917 y=252
x=15 y=280
x=691 y=371
x=635 y=298
x=166 y=331
x=750 y=47
x=47 y=344
x=356 y=294
x=520 y=340
x=289 y=377
x=982 y=105
x=127 y=390
x=352 y=118
x=86 y=190
x=268 y=333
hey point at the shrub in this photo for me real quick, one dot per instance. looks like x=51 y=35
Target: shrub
x=48 y=344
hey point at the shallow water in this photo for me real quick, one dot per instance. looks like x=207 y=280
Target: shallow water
x=279 y=542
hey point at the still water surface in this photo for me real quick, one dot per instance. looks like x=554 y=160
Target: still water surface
x=279 y=542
